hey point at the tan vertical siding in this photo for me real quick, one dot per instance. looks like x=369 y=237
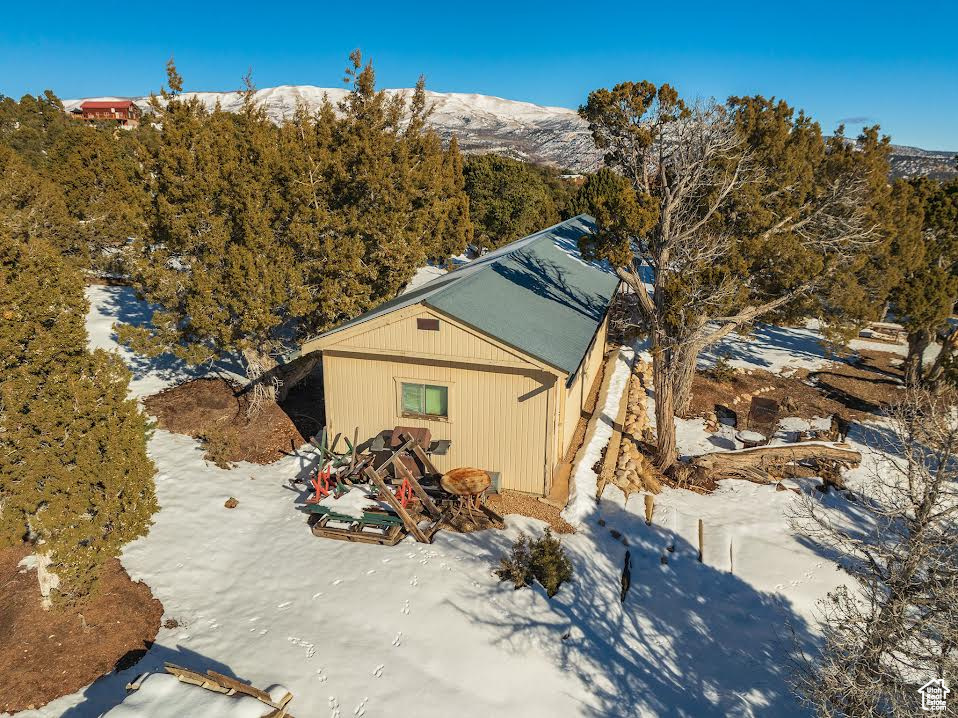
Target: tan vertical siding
x=576 y=394
x=498 y=416
x=399 y=331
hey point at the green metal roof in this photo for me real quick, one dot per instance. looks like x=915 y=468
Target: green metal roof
x=536 y=294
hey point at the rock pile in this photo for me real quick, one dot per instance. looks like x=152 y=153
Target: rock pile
x=625 y=465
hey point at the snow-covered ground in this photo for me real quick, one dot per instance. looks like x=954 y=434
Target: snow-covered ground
x=784 y=349
x=427 y=630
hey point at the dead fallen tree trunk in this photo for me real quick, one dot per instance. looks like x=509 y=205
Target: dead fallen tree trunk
x=766 y=464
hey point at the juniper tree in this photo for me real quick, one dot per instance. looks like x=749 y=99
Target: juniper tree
x=31 y=206
x=509 y=199
x=896 y=626
x=101 y=171
x=75 y=479
x=924 y=297
x=261 y=235
x=98 y=170
x=736 y=211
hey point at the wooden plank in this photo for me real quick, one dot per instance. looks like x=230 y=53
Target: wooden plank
x=197 y=679
x=389 y=537
x=417 y=449
x=239 y=687
x=352 y=460
x=417 y=489
x=411 y=525
x=427 y=464
x=394 y=459
x=431 y=531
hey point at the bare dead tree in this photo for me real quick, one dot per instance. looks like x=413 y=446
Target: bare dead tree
x=692 y=162
x=896 y=626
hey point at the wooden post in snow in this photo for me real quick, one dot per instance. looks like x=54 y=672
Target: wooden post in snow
x=649 y=508
x=701 y=539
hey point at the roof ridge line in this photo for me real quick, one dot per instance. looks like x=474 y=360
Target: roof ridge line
x=533 y=238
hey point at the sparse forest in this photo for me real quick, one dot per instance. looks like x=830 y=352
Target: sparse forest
x=245 y=234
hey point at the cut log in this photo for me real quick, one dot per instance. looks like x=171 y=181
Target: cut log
x=766 y=464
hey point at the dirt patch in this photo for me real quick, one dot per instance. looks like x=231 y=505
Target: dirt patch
x=48 y=654
x=215 y=411
x=855 y=391
x=509 y=502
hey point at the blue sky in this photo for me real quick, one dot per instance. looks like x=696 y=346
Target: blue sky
x=891 y=63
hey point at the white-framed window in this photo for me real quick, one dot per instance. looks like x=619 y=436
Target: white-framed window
x=423 y=400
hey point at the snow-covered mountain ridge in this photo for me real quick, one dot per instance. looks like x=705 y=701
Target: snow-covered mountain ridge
x=555 y=136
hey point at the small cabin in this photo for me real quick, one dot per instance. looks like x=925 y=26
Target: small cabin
x=123 y=112
x=496 y=358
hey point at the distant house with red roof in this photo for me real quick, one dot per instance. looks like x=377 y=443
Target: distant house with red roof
x=123 y=112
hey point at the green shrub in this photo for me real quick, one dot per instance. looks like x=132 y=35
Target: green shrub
x=550 y=565
x=517 y=566
x=222 y=446
x=543 y=560
x=723 y=372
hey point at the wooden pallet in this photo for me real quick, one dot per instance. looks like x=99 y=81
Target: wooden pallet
x=374 y=532
x=357 y=532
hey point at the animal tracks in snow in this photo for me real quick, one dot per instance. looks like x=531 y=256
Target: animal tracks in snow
x=310 y=647
x=334 y=707
x=360 y=710
x=414 y=581
x=397 y=641
x=378 y=671
x=405 y=608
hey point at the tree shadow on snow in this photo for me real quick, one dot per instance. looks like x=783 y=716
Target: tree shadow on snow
x=799 y=343
x=124 y=307
x=689 y=640
x=109 y=691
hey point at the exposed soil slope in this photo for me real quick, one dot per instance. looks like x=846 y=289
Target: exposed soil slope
x=215 y=411
x=852 y=390
x=48 y=654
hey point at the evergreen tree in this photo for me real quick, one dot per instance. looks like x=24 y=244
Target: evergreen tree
x=924 y=298
x=75 y=480
x=509 y=199
x=99 y=170
x=741 y=211
x=261 y=234
x=31 y=206
x=216 y=263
